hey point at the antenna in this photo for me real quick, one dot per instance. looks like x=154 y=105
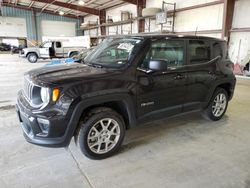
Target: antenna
x=196 y=30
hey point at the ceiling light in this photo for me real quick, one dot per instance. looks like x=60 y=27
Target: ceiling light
x=81 y=2
x=61 y=13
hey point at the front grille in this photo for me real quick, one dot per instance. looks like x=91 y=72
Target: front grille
x=28 y=88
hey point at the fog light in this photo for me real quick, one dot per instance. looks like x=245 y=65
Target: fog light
x=44 y=126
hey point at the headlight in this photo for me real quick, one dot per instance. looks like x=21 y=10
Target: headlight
x=45 y=94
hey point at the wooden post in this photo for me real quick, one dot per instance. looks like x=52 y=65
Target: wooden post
x=141 y=22
x=227 y=18
x=102 y=18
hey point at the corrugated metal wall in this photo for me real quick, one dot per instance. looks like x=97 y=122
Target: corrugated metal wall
x=31 y=21
x=28 y=15
x=45 y=16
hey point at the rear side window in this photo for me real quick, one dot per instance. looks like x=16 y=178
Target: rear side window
x=220 y=49
x=199 y=51
x=58 y=45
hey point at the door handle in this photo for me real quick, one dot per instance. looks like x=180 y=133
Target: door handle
x=179 y=77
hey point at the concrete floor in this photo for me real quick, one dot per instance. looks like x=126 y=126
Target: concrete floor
x=185 y=151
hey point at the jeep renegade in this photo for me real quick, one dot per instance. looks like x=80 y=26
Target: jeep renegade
x=125 y=81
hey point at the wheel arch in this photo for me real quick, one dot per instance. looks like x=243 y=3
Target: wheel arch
x=71 y=52
x=32 y=53
x=227 y=87
x=227 y=84
x=121 y=103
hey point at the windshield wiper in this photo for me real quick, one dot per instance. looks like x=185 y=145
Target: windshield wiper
x=96 y=65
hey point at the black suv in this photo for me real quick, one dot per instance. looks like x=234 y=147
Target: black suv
x=125 y=81
x=5 y=47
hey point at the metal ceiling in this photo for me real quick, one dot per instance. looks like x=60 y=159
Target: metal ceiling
x=68 y=7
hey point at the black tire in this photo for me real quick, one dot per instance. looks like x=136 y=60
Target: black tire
x=86 y=127
x=32 y=57
x=208 y=112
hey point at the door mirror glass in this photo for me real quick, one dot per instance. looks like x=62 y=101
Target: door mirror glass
x=158 y=65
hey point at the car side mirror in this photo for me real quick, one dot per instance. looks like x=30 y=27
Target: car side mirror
x=158 y=65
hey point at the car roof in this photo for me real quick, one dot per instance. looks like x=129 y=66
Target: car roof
x=161 y=35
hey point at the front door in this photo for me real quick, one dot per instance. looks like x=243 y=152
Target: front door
x=162 y=93
x=44 y=49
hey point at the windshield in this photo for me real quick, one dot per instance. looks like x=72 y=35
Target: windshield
x=83 y=53
x=112 y=52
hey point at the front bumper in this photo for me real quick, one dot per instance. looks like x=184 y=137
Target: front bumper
x=48 y=128
x=22 y=53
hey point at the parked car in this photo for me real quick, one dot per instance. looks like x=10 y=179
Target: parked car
x=5 y=47
x=125 y=81
x=17 y=49
x=246 y=70
x=54 y=49
x=78 y=58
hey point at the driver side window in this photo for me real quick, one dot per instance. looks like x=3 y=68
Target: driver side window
x=171 y=51
x=47 y=45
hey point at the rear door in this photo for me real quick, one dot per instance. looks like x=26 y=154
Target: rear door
x=59 y=49
x=201 y=72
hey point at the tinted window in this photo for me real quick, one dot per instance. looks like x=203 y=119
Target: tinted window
x=172 y=51
x=199 y=51
x=58 y=44
x=220 y=49
x=113 y=52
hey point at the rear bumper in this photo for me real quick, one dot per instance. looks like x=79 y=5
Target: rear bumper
x=232 y=88
x=50 y=129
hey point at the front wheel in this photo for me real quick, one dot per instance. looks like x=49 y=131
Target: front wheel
x=32 y=57
x=101 y=135
x=72 y=54
x=217 y=106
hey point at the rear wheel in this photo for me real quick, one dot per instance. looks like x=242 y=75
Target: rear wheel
x=32 y=57
x=101 y=135
x=217 y=106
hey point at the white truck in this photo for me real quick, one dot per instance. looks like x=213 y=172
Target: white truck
x=56 y=47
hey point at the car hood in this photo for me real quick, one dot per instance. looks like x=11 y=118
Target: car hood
x=31 y=49
x=67 y=73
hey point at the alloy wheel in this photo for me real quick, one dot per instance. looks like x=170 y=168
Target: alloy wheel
x=219 y=105
x=103 y=136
